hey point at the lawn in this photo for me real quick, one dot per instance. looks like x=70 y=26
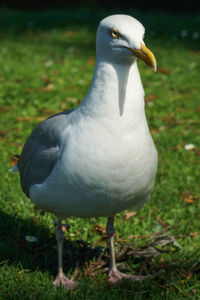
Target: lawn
x=46 y=64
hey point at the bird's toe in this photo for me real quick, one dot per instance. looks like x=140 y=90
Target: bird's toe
x=116 y=275
x=64 y=282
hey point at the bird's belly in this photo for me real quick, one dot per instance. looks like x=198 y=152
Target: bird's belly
x=91 y=181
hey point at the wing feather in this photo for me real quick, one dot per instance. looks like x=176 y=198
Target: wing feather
x=41 y=151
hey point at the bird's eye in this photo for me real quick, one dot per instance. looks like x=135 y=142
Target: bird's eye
x=115 y=33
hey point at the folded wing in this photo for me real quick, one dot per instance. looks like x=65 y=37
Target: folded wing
x=41 y=151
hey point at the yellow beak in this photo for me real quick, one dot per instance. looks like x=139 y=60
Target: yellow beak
x=146 y=55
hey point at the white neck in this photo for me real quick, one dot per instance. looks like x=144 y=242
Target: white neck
x=116 y=92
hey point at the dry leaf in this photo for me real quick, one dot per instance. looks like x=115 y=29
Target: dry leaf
x=56 y=72
x=189 y=275
x=3 y=139
x=72 y=99
x=3 y=132
x=154 y=130
x=63 y=106
x=49 y=88
x=133 y=236
x=34 y=220
x=17 y=80
x=46 y=79
x=4 y=109
x=64 y=228
x=29 y=118
x=28 y=90
x=163 y=70
x=14 y=160
x=70 y=33
x=197 y=152
x=194 y=234
x=50 y=112
x=150 y=98
x=99 y=228
x=122 y=240
x=153 y=211
x=129 y=214
x=188 y=198
x=47 y=111
x=91 y=61
x=161 y=221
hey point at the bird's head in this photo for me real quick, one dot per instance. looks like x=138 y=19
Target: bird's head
x=120 y=40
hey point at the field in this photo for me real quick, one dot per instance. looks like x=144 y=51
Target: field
x=46 y=64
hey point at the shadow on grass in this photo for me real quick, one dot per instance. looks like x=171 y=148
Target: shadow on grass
x=43 y=253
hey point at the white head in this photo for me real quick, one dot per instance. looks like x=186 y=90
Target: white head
x=120 y=40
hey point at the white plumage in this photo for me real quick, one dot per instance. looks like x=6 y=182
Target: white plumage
x=103 y=159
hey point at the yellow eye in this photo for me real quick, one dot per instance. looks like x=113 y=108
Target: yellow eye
x=115 y=33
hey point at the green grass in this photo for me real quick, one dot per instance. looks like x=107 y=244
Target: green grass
x=46 y=65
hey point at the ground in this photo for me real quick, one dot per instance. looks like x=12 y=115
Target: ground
x=46 y=65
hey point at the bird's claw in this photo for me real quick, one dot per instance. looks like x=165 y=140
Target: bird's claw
x=116 y=275
x=62 y=280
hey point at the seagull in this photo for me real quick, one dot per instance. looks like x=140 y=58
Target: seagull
x=99 y=158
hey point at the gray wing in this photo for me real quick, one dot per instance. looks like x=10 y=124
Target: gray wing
x=41 y=151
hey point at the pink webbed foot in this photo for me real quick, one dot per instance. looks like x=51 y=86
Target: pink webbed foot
x=62 y=280
x=116 y=275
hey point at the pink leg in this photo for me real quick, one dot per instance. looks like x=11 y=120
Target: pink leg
x=61 y=279
x=114 y=274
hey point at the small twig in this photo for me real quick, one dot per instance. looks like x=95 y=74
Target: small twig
x=163 y=230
